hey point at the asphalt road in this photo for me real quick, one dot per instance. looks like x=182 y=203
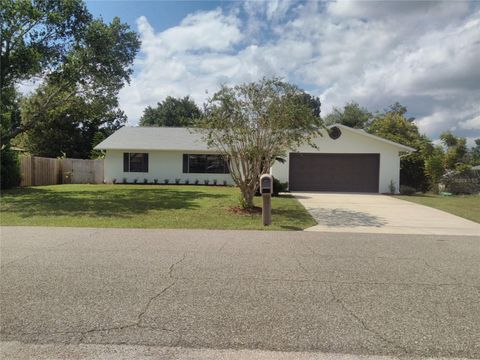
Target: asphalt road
x=371 y=294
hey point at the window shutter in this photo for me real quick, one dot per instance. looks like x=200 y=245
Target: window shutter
x=185 y=163
x=125 y=162
x=146 y=162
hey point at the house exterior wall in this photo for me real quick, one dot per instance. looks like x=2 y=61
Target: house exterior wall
x=161 y=165
x=350 y=142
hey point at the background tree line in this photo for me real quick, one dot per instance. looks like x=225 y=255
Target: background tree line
x=423 y=169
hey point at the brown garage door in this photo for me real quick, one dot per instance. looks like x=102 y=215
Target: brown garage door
x=334 y=172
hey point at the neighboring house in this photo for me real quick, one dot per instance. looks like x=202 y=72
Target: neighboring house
x=349 y=160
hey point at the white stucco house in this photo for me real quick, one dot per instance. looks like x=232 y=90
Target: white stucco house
x=347 y=160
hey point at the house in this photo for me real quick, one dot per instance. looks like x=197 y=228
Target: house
x=346 y=160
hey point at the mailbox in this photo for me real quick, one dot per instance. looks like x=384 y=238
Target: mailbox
x=266 y=184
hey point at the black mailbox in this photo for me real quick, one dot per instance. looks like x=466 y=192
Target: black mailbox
x=266 y=184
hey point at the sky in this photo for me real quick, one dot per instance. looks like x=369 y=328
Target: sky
x=425 y=54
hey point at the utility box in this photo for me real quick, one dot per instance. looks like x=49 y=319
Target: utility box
x=266 y=184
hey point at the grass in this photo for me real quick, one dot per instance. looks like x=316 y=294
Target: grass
x=143 y=206
x=466 y=206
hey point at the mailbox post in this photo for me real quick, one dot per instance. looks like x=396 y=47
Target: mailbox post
x=266 y=189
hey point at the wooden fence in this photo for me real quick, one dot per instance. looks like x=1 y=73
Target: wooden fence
x=46 y=171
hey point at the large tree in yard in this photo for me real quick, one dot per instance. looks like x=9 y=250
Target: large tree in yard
x=252 y=124
x=81 y=62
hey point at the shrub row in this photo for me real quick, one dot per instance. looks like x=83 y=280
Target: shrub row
x=176 y=182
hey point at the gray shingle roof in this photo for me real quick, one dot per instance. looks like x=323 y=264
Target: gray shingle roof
x=153 y=138
x=171 y=138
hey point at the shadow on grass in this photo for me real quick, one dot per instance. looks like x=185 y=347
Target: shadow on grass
x=111 y=202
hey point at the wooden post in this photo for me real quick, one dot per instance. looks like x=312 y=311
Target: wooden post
x=267 y=209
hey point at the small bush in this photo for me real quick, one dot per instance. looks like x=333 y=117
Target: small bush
x=206 y=181
x=145 y=181
x=197 y=182
x=155 y=181
x=407 y=190
x=392 y=187
x=124 y=180
x=279 y=187
x=187 y=182
x=225 y=183
x=177 y=181
x=114 y=181
x=10 y=168
x=166 y=181
x=135 y=181
x=214 y=181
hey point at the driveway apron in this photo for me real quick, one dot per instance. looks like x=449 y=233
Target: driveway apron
x=374 y=213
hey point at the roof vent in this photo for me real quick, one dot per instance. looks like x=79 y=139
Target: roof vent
x=334 y=132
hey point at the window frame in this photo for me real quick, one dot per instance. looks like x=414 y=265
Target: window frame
x=186 y=169
x=127 y=160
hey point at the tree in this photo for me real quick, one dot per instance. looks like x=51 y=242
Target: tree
x=9 y=169
x=434 y=167
x=393 y=125
x=352 y=115
x=35 y=36
x=456 y=155
x=74 y=55
x=179 y=112
x=254 y=123
x=70 y=127
x=475 y=153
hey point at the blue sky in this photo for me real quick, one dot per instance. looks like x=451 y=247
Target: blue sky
x=423 y=54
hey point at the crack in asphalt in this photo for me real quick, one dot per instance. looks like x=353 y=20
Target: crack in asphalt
x=137 y=324
x=364 y=324
x=142 y=313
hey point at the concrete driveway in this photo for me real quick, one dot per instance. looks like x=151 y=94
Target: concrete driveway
x=374 y=213
x=114 y=293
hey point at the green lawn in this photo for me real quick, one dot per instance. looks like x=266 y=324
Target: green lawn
x=466 y=206
x=143 y=206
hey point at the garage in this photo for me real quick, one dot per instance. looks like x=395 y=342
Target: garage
x=334 y=172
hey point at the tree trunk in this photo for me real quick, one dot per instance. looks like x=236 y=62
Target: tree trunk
x=248 y=192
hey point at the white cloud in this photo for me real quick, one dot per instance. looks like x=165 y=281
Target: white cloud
x=423 y=54
x=471 y=124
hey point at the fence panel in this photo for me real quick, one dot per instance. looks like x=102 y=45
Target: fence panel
x=47 y=171
x=26 y=170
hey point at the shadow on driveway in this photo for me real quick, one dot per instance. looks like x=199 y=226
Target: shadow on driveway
x=345 y=218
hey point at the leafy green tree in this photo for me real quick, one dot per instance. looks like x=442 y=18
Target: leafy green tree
x=36 y=36
x=75 y=56
x=393 y=125
x=97 y=138
x=352 y=115
x=475 y=153
x=434 y=167
x=70 y=127
x=10 y=168
x=172 y=112
x=252 y=124
x=457 y=152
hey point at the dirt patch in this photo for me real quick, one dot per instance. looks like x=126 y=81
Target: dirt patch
x=241 y=211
